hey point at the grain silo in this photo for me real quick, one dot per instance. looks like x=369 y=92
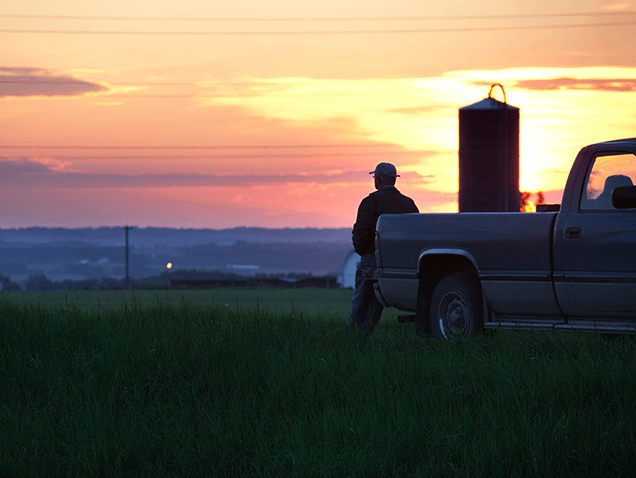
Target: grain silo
x=489 y=156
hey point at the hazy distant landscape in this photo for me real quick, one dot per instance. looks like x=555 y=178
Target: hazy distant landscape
x=85 y=253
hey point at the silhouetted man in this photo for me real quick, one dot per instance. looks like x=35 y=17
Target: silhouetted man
x=366 y=310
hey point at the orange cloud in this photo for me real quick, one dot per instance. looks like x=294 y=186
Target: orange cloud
x=565 y=83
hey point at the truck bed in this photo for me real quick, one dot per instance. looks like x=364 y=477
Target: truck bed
x=510 y=251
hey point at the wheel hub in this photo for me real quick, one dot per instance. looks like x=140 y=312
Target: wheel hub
x=452 y=316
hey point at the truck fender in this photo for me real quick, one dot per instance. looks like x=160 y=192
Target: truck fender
x=429 y=253
x=432 y=266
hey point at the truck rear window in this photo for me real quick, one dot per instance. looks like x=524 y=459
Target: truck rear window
x=607 y=173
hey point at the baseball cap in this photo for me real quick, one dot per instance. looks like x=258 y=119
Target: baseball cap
x=385 y=170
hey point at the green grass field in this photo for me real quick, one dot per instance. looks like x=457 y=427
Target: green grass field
x=324 y=302
x=271 y=385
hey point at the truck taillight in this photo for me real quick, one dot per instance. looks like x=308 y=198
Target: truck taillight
x=378 y=261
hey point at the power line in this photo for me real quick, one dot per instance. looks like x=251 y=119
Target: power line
x=238 y=156
x=105 y=97
x=317 y=19
x=320 y=32
x=34 y=80
x=214 y=147
x=55 y=81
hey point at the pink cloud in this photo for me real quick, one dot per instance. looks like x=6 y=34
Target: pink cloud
x=191 y=207
x=49 y=173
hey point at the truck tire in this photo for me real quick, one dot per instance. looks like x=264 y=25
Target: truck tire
x=456 y=307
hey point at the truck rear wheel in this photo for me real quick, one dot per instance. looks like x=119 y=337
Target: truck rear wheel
x=456 y=306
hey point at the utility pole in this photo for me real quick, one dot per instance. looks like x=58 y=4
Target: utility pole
x=127 y=284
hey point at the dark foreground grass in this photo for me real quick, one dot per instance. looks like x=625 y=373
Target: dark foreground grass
x=185 y=389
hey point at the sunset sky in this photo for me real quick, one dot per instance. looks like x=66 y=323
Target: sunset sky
x=206 y=114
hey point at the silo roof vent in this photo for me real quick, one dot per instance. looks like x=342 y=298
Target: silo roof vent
x=490 y=103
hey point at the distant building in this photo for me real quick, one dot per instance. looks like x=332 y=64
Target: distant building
x=346 y=276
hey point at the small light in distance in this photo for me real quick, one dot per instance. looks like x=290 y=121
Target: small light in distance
x=169 y=265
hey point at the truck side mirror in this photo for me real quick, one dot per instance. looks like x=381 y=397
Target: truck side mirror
x=624 y=197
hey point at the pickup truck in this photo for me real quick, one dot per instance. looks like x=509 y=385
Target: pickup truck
x=572 y=267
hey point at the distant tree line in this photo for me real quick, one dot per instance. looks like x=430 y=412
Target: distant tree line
x=86 y=261
x=7 y=284
x=40 y=282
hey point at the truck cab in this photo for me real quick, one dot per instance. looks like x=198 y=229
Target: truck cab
x=594 y=240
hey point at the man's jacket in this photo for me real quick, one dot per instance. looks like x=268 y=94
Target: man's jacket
x=387 y=200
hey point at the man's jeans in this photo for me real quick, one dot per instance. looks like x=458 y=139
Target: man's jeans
x=366 y=310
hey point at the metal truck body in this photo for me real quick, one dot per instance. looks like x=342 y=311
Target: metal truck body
x=571 y=269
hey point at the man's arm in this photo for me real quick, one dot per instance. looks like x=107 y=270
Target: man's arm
x=364 y=228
